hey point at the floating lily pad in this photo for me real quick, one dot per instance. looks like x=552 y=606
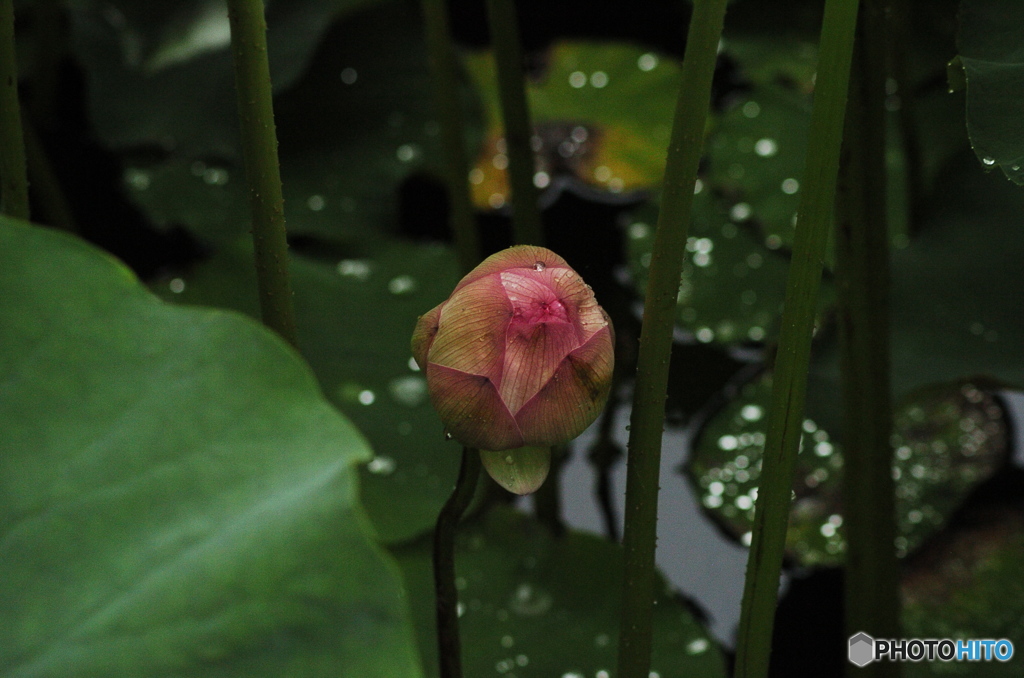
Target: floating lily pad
x=355 y=316
x=176 y=496
x=602 y=113
x=756 y=161
x=788 y=61
x=358 y=121
x=527 y=605
x=947 y=440
x=732 y=286
x=725 y=468
x=990 y=39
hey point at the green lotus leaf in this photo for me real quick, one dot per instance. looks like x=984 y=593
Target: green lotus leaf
x=176 y=495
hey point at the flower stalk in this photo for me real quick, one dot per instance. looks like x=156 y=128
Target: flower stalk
x=447 y=104
x=262 y=169
x=648 y=415
x=447 y=596
x=789 y=385
x=862 y=277
x=515 y=112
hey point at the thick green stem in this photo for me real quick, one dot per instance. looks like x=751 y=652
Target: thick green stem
x=447 y=596
x=262 y=170
x=648 y=415
x=447 y=103
x=515 y=112
x=786 y=412
x=13 y=172
x=862 y=276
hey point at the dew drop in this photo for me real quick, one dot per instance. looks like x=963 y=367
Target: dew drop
x=381 y=466
x=639 y=230
x=402 y=284
x=410 y=390
x=988 y=162
x=766 y=147
x=137 y=179
x=539 y=266
x=215 y=176
x=448 y=435
x=407 y=152
x=316 y=203
x=752 y=412
x=740 y=212
x=354 y=268
x=647 y=62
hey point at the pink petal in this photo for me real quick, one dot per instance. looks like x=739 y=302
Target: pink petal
x=473 y=323
x=578 y=299
x=573 y=397
x=471 y=409
x=520 y=256
x=423 y=335
x=532 y=354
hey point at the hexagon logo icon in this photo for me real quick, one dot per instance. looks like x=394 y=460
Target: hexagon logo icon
x=862 y=649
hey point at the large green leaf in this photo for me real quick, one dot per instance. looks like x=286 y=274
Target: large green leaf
x=176 y=496
x=531 y=604
x=991 y=44
x=956 y=294
x=355 y=316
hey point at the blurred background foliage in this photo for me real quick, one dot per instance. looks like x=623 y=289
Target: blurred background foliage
x=231 y=553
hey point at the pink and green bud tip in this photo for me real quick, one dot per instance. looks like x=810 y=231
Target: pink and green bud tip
x=520 y=355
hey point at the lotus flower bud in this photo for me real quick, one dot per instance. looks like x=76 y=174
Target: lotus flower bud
x=519 y=355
